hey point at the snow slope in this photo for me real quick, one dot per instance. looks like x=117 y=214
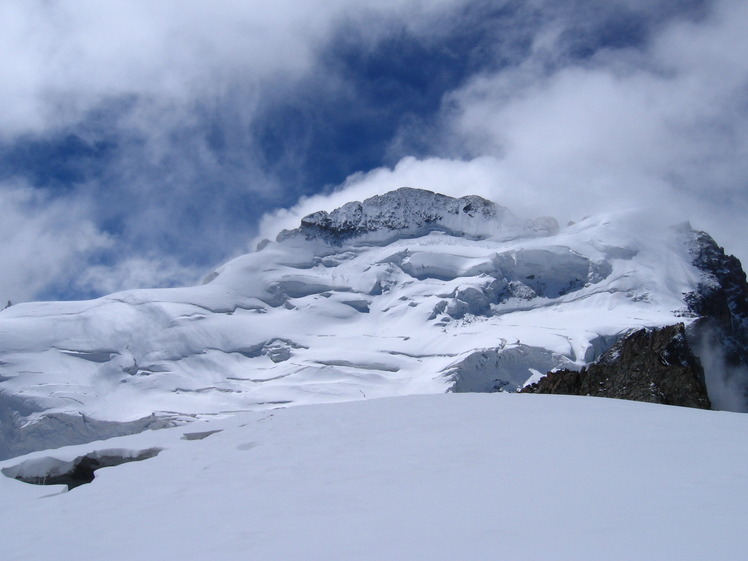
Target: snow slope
x=442 y=477
x=407 y=293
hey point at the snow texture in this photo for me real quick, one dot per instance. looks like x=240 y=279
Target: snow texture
x=406 y=293
x=441 y=477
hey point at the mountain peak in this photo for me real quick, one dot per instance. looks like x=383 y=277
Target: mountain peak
x=365 y=301
x=409 y=212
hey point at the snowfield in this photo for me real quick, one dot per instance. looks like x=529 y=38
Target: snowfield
x=441 y=477
x=378 y=322
x=406 y=293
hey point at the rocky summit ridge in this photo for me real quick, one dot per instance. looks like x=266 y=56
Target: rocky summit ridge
x=408 y=292
x=410 y=212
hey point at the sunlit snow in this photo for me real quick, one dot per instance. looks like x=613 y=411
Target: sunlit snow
x=314 y=321
x=442 y=477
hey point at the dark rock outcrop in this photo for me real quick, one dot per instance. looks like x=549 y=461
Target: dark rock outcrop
x=722 y=295
x=409 y=212
x=405 y=209
x=652 y=365
x=720 y=335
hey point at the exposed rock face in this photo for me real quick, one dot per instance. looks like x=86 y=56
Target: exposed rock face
x=414 y=212
x=403 y=209
x=720 y=335
x=652 y=365
x=722 y=296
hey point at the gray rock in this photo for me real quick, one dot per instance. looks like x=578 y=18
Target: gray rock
x=407 y=211
x=651 y=365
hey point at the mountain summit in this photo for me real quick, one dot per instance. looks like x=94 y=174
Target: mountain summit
x=404 y=293
x=408 y=212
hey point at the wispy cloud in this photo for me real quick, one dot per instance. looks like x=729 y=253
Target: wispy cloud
x=175 y=92
x=35 y=257
x=168 y=129
x=660 y=123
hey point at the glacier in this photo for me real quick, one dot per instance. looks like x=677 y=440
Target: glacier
x=410 y=292
x=354 y=389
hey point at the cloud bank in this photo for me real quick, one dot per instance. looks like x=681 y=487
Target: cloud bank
x=143 y=116
x=661 y=125
x=146 y=142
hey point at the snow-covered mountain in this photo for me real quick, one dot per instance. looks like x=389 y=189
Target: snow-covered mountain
x=409 y=292
x=405 y=293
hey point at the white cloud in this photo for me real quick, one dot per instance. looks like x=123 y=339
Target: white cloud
x=60 y=59
x=161 y=73
x=669 y=129
x=666 y=128
x=137 y=272
x=44 y=242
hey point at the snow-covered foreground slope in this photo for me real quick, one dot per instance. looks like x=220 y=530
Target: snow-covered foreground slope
x=441 y=477
x=407 y=293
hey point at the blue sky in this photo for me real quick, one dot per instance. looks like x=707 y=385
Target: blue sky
x=144 y=142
